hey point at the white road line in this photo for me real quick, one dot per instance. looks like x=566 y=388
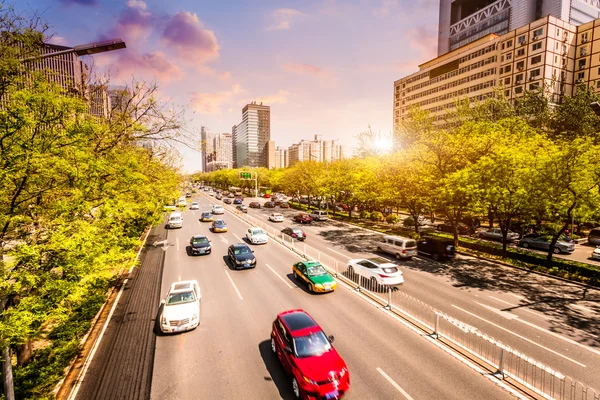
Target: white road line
x=519 y=336
x=238 y=238
x=280 y=277
x=177 y=241
x=394 y=384
x=520 y=308
x=179 y=278
x=235 y=287
x=516 y=295
x=343 y=255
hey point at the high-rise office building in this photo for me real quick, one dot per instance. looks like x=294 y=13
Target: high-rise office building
x=223 y=159
x=281 y=158
x=252 y=135
x=233 y=145
x=270 y=154
x=207 y=147
x=464 y=21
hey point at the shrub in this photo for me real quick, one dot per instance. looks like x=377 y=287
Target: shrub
x=376 y=216
x=365 y=214
x=392 y=218
x=408 y=222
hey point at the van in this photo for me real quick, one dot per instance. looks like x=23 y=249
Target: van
x=399 y=247
x=182 y=202
x=594 y=236
x=175 y=220
x=438 y=248
x=319 y=215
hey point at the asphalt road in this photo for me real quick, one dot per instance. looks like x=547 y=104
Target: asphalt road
x=228 y=355
x=546 y=319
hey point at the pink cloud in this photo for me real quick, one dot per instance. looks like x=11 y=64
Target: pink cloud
x=386 y=6
x=133 y=24
x=424 y=39
x=185 y=34
x=211 y=102
x=154 y=65
x=283 y=17
x=300 y=68
x=281 y=97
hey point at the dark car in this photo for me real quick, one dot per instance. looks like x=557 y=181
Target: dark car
x=218 y=197
x=296 y=233
x=242 y=208
x=284 y=205
x=462 y=229
x=238 y=200
x=227 y=200
x=188 y=195
x=269 y=204
x=440 y=249
x=254 y=204
x=277 y=202
x=303 y=218
x=199 y=244
x=241 y=256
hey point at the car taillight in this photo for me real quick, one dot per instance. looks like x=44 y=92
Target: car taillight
x=403 y=251
x=385 y=276
x=294 y=235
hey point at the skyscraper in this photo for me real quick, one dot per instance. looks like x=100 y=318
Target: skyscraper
x=222 y=159
x=464 y=21
x=207 y=147
x=252 y=135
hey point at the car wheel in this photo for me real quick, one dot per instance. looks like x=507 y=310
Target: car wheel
x=525 y=244
x=398 y=256
x=273 y=348
x=295 y=275
x=436 y=257
x=295 y=388
x=556 y=250
x=379 y=249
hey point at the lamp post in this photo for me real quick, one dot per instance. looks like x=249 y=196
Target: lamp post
x=84 y=49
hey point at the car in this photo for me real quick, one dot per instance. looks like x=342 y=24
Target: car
x=266 y=195
x=211 y=193
x=188 y=195
x=242 y=208
x=256 y=235
x=254 y=204
x=175 y=220
x=227 y=200
x=315 y=276
x=542 y=242
x=284 y=205
x=308 y=357
x=438 y=248
x=182 y=202
x=170 y=207
x=218 y=197
x=241 y=256
x=200 y=244
x=398 y=246
x=269 y=204
x=206 y=217
x=376 y=270
x=295 y=233
x=461 y=228
x=276 y=217
x=181 y=307
x=194 y=206
x=496 y=234
x=219 y=226
x=594 y=236
x=596 y=253
x=218 y=210
x=231 y=195
x=319 y=215
x=303 y=218
x=206 y=189
x=238 y=200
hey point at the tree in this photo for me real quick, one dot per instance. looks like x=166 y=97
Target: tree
x=574 y=118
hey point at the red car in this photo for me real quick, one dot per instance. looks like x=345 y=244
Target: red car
x=307 y=355
x=303 y=218
x=254 y=204
x=266 y=195
x=269 y=204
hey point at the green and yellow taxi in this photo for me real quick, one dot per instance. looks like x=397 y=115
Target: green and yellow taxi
x=219 y=226
x=315 y=276
x=206 y=217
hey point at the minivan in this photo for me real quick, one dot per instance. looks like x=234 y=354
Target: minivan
x=594 y=236
x=398 y=246
x=438 y=248
x=175 y=220
x=319 y=215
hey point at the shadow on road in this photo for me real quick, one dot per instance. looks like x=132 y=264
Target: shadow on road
x=276 y=373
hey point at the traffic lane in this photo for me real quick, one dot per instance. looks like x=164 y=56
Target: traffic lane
x=194 y=363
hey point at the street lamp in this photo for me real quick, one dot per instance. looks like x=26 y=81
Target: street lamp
x=85 y=49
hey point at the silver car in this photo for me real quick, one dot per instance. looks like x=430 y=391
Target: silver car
x=496 y=234
x=542 y=242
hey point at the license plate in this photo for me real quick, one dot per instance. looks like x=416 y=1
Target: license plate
x=332 y=395
x=246 y=265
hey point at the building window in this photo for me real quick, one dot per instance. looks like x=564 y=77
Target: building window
x=538 y=32
x=581 y=64
x=519 y=89
x=507 y=68
x=519 y=78
x=509 y=44
x=508 y=57
x=598 y=85
x=598 y=71
x=534 y=86
x=555 y=59
x=580 y=75
x=520 y=65
x=534 y=74
x=507 y=81
x=557 y=32
x=507 y=93
x=522 y=40
x=520 y=52
x=536 y=46
x=536 y=59
x=583 y=51
x=584 y=37
x=502 y=46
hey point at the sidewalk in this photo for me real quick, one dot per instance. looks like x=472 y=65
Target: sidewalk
x=123 y=362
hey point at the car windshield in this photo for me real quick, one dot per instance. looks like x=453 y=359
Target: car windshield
x=200 y=240
x=181 y=298
x=205 y=215
x=316 y=271
x=311 y=345
x=297 y=231
x=175 y=219
x=258 y=232
x=241 y=250
x=219 y=223
x=194 y=204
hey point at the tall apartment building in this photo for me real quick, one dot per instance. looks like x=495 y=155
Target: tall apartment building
x=233 y=145
x=315 y=150
x=464 y=21
x=548 y=53
x=207 y=147
x=252 y=135
x=270 y=154
x=281 y=158
x=222 y=153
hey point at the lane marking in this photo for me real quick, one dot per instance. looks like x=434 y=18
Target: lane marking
x=519 y=336
x=238 y=238
x=394 y=384
x=521 y=308
x=179 y=278
x=235 y=287
x=177 y=241
x=280 y=277
x=516 y=295
x=335 y=251
x=504 y=314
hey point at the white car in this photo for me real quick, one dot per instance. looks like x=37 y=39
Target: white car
x=211 y=193
x=194 y=206
x=596 y=253
x=257 y=236
x=181 y=307
x=276 y=217
x=377 y=270
x=217 y=210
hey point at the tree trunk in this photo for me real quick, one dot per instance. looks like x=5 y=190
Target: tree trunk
x=553 y=244
x=491 y=218
x=7 y=375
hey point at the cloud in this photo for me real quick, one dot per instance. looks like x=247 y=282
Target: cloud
x=300 y=68
x=386 y=6
x=80 y=2
x=133 y=24
x=211 y=103
x=186 y=36
x=424 y=39
x=59 y=40
x=154 y=65
x=140 y=4
x=281 y=97
x=283 y=17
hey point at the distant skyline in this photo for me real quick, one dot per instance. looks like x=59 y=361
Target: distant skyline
x=325 y=67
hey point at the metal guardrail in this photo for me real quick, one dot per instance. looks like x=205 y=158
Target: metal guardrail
x=509 y=363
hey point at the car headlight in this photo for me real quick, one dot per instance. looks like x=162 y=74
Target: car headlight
x=319 y=285
x=238 y=261
x=164 y=321
x=207 y=248
x=253 y=261
x=309 y=380
x=194 y=316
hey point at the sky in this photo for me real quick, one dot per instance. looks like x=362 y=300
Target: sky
x=326 y=67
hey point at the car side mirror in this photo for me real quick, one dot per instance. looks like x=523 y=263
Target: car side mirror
x=331 y=338
x=253 y=251
x=162 y=301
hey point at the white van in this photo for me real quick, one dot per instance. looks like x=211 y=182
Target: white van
x=319 y=215
x=398 y=246
x=175 y=220
x=182 y=202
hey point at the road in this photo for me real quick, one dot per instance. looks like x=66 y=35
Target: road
x=545 y=318
x=228 y=355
